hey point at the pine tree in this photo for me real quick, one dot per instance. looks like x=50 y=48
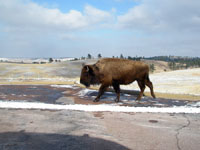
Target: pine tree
x=89 y=56
x=50 y=60
x=99 y=56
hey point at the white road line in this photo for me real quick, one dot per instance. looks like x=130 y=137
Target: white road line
x=97 y=108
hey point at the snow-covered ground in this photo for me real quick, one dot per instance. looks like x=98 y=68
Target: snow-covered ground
x=64 y=86
x=31 y=60
x=97 y=108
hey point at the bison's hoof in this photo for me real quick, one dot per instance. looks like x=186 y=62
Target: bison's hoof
x=117 y=100
x=96 y=100
x=138 y=99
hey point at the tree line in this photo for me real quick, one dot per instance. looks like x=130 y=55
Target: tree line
x=174 y=62
x=178 y=62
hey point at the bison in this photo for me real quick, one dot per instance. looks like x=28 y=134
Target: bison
x=114 y=72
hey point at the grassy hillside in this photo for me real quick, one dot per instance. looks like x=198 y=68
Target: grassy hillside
x=180 y=84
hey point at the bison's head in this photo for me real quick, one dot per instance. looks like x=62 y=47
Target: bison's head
x=88 y=75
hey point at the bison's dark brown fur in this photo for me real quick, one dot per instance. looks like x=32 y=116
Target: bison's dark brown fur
x=113 y=72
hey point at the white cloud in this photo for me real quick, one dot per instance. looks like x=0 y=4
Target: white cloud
x=95 y=15
x=19 y=13
x=138 y=17
x=156 y=15
x=167 y=27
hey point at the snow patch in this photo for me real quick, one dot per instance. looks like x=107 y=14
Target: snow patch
x=64 y=86
x=85 y=92
x=196 y=104
x=97 y=108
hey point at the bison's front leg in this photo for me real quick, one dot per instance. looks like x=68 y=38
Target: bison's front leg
x=102 y=89
x=117 y=90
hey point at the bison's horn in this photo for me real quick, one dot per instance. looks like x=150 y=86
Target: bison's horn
x=87 y=69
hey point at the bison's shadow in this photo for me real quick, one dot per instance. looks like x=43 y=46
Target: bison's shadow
x=110 y=95
x=129 y=98
x=42 y=141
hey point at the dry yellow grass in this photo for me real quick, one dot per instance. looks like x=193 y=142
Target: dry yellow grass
x=175 y=96
x=12 y=70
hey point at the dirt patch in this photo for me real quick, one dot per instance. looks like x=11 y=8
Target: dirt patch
x=175 y=96
x=153 y=121
x=99 y=115
x=130 y=113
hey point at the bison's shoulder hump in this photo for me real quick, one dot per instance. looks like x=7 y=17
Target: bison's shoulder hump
x=119 y=61
x=115 y=63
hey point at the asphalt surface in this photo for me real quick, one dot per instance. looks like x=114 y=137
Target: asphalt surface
x=23 y=129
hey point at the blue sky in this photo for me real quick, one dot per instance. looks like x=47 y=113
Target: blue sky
x=65 y=5
x=65 y=28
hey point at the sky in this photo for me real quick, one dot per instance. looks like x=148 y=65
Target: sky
x=65 y=28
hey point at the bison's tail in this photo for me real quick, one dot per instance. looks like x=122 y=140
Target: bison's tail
x=147 y=77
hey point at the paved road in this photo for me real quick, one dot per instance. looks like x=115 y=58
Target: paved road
x=43 y=129
x=63 y=130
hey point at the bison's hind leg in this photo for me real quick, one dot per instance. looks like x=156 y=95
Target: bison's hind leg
x=150 y=85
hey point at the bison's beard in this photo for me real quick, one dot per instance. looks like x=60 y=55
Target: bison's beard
x=87 y=85
x=90 y=81
x=94 y=81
